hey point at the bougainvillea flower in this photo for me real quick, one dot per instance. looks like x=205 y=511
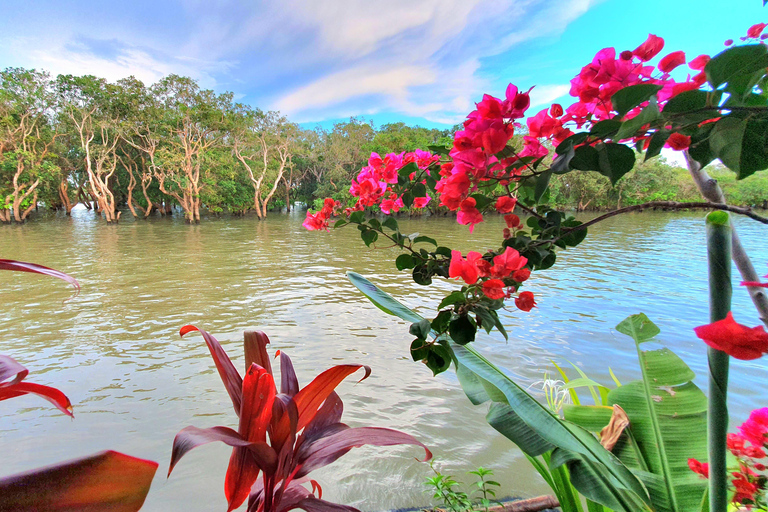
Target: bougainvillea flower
x=512 y=220
x=699 y=62
x=305 y=432
x=755 y=429
x=12 y=375
x=505 y=204
x=507 y=262
x=469 y=214
x=678 y=141
x=755 y=30
x=671 y=61
x=494 y=289
x=466 y=269
x=521 y=275
x=525 y=301
x=649 y=49
x=755 y=283
x=700 y=468
x=734 y=339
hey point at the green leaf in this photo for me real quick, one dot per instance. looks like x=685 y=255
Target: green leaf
x=421 y=329
x=440 y=323
x=585 y=159
x=686 y=101
x=425 y=239
x=606 y=128
x=408 y=198
x=561 y=164
x=404 y=261
x=658 y=140
x=357 y=217
x=638 y=327
x=438 y=359
x=390 y=223
x=628 y=98
x=339 y=223
x=649 y=114
x=406 y=170
x=735 y=63
x=726 y=141
x=462 y=330
x=754 y=149
x=542 y=183
x=419 y=350
x=668 y=424
x=481 y=200
x=439 y=150
x=422 y=275
x=382 y=299
x=419 y=190
x=374 y=223
x=572 y=141
x=369 y=236
x=454 y=298
x=615 y=484
x=615 y=160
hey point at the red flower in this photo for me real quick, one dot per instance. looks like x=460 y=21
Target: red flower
x=494 y=289
x=671 y=61
x=755 y=30
x=512 y=220
x=699 y=62
x=525 y=301
x=465 y=269
x=734 y=339
x=507 y=262
x=649 y=49
x=700 y=468
x=556 y=110
x=468 y=214
x=505 y=204
x=755 y=429
x=728 y=42
x=678 y=141
x=521 y=275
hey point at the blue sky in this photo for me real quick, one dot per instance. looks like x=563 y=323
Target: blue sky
x=420 y=61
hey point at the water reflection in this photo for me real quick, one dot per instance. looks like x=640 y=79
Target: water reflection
x=115 y=348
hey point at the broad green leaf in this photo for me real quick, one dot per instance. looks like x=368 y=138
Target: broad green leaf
x=649 y=114
x=628 y=98
x=406 y=170
x=542 y=183
x=615 y=480
x=572 y=141
x=404 y=261
x=590 y=417
x=614 y=160
x=638 y=327
x=585 y=159
x=754 y=150
x=561 y=164
x=382 y=299
x=668 y=424
x=502 y=417
x=452 y=299
x=726 y=141
x=425 y=239
x=658 y=140
x=369 y=236
x=735 y=63
x=390 y=223
x=605 y=128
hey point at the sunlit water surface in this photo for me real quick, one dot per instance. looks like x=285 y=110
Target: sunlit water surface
x=114 y=349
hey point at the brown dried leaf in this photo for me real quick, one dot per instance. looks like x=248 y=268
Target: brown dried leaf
x=610 y=435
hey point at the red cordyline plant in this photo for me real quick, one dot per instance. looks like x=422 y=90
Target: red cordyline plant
x=282 y=436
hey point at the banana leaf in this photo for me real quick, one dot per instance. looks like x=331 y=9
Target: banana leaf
x=595 y=472
x=668 y=423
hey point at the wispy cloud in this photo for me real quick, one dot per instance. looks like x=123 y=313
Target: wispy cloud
x=312 y=59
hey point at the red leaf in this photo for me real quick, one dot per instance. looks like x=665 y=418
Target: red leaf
x=327 y=449
x=311 y=396
x=289 y=384
x=227 y=371
x=53 y=395
x=255 y=414
x=108 y=482
x=10 y=368
x=328 y=414
x=255 y=345
x=192 y=437
x=37 y=269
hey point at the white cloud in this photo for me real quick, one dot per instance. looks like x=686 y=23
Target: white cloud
x=547 y=94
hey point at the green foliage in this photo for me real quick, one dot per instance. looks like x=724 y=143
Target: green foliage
x=445 y=489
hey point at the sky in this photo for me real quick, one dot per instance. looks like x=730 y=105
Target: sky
x=423 y=62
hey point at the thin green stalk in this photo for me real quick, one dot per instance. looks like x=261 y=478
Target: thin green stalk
x=719 y=256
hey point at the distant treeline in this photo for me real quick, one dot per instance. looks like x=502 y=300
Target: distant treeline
x=124 y=146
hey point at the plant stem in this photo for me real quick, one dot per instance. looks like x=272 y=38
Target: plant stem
x=719 y=256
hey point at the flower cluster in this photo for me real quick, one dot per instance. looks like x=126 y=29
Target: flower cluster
x=748 y=447
x=318 y=221
x=373 y=185
x=500 y=275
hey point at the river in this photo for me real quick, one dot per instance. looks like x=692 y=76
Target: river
x=114 y=349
